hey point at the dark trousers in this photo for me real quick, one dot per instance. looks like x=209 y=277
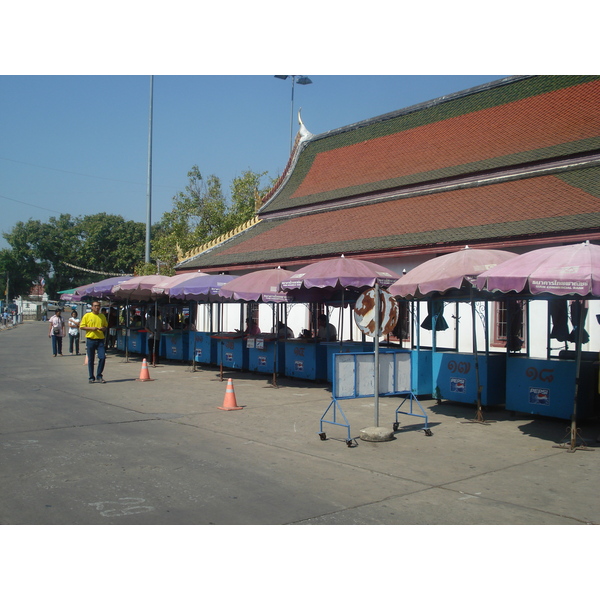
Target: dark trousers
x=56 y=344
x=74 y=340
x=93 y=347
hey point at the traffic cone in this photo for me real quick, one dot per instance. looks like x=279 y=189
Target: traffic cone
x=229 y=402
x=144 y=373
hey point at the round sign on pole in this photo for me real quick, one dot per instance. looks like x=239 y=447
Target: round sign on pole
x=364 y=312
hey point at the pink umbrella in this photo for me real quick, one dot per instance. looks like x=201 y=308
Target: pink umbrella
x=257 y=286
x=572 y=270
x=450 y=271
x=560 y=271
x=138 y=288
x=165 y=286
x=339 y=273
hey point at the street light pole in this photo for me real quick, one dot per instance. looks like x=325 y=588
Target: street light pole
x=149 y=191
x=302 y=80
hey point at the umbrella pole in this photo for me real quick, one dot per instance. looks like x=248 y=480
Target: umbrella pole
x=127 y=322
x=276 y=330
x=572 y=431
x=376 y=349
x=479 y=415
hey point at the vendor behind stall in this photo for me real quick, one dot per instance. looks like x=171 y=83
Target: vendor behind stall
x=283 y=331
x=251 y=327
x=326 y=331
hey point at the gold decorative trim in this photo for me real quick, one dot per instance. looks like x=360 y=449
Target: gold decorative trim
x=222 y=238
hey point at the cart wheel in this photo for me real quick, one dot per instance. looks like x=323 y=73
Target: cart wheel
x=349 y=443
x=395 y=426
x=323 y=435
x=427 y=432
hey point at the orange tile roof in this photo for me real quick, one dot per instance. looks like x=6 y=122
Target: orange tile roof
x=560 y=117
x=533 y=206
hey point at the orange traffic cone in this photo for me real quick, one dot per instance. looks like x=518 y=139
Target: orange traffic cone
x=144 y=373
x=229 y=402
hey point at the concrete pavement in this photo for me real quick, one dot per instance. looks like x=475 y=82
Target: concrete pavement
x=161 y=452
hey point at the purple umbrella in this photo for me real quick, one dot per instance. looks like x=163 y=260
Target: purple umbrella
x=450 y=271
x=204 y=287
x=560 y=271
x=103 y=288
x=340 y=273
x=257 y=286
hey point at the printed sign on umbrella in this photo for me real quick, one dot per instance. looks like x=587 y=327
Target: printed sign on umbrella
x=560 y=271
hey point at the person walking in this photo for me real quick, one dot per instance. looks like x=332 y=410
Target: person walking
x=95 y=324
x=57 y=332
x=73 y=333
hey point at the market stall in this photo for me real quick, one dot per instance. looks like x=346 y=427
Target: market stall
x=258 y=286
x=562 y=385
x=467 y=377
x=202 y=288
x=332 y=282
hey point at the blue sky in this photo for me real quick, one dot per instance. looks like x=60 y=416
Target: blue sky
x=79 y=144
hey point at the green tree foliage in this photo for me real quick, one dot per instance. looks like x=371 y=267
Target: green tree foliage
x=201 y=213
x=102 y=242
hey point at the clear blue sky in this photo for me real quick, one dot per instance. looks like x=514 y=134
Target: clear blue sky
x=79 y=144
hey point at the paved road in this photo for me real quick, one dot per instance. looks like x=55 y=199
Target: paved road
x=162 y=453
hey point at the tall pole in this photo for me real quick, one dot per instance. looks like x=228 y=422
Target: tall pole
x=376 y=355
x=292 y=113
x=149 y=189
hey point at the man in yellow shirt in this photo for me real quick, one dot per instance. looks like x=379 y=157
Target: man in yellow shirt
x=95 y=326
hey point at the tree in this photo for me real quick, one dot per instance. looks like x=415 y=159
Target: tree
x=202 y=213
x=104 y=243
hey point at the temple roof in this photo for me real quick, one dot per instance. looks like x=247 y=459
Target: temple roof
x=503 y=162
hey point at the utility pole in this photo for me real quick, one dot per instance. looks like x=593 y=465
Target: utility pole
x=149 y=192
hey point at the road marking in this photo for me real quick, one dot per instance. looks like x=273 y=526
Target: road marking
x=124 y=506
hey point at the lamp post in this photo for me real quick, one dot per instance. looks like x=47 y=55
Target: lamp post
x=301 y=80
x=149 y=183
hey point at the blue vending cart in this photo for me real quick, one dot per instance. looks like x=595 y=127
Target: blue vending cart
x=136 y=341
x=261 y=353
x=175 y=345
x=546 y=387
x=306 y=359
x=203 y=347
x=232 y=352
x=121 y=338
x=455 y=377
